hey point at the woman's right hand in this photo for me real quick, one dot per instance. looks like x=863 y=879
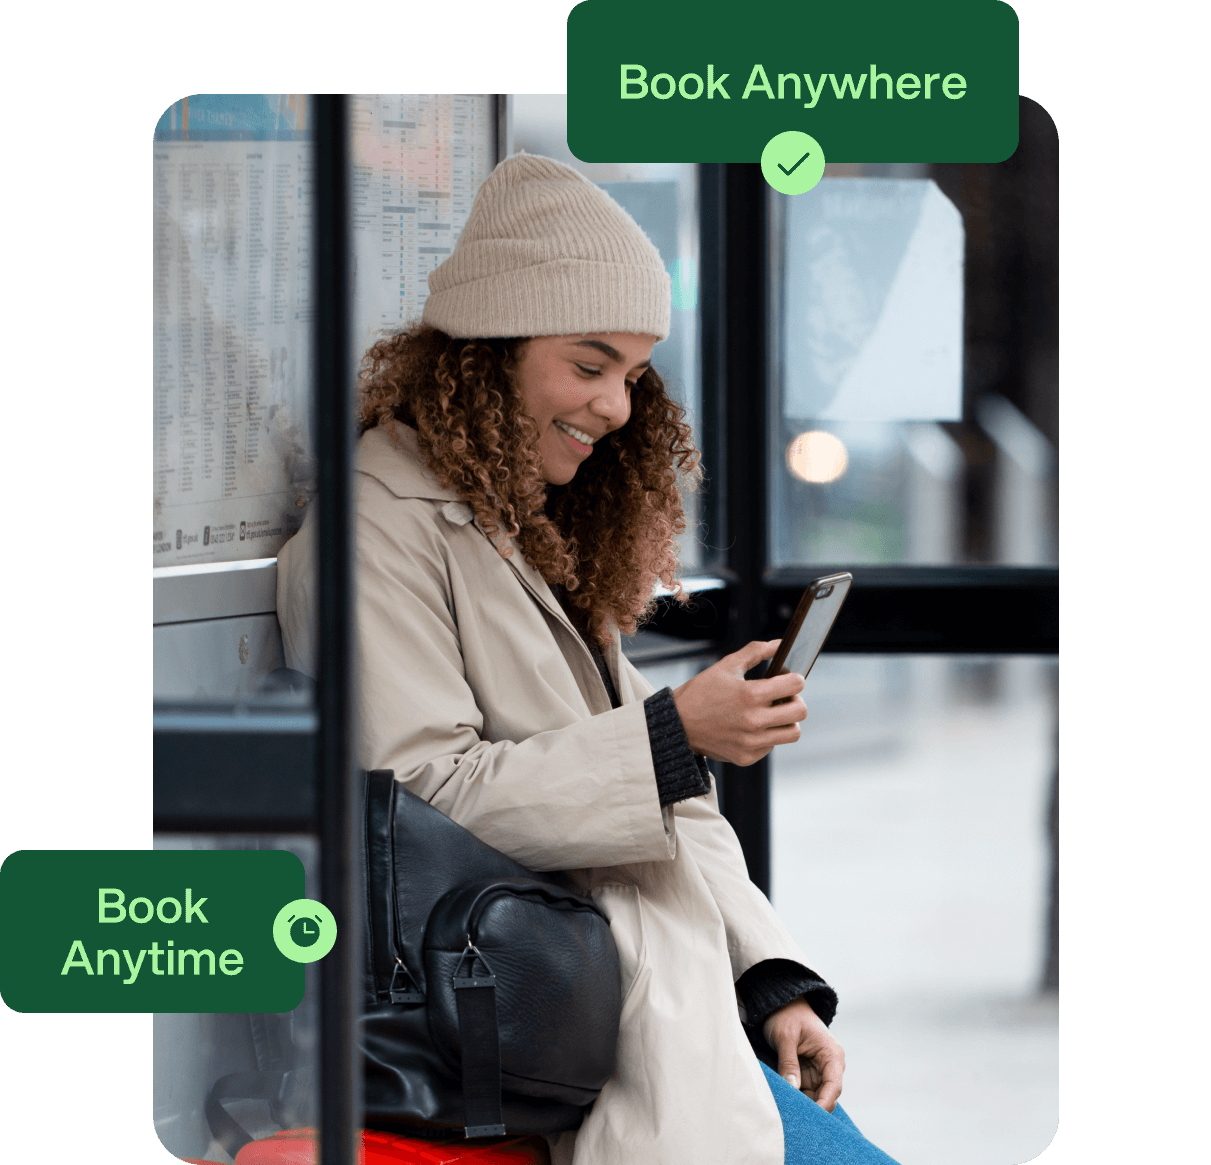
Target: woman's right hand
x=732 y=719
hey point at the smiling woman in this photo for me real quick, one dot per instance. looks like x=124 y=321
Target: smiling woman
x=519 y=497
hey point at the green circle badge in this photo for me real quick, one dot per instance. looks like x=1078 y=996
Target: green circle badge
x=304 y=930
x=792 y=162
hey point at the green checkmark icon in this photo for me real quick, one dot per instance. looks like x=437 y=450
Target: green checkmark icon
x=800 y=176
x=796 y=166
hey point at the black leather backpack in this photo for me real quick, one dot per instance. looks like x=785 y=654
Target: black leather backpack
x=492 y=995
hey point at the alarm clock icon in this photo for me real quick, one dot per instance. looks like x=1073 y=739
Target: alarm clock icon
x=304 y=930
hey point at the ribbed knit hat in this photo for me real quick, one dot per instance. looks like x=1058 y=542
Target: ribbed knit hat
x=547 y=253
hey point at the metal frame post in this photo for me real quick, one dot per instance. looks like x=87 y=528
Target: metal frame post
x=340 y=1069
x=733 y=248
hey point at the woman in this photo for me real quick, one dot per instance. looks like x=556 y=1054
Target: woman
x=518 y=500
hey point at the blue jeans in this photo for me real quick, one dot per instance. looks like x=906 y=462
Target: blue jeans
x=816 y=1137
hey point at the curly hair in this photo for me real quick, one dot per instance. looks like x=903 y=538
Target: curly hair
x=608 y=535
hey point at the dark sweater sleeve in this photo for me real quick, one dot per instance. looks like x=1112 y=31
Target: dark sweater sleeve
x=680 y=772
x=769 y=985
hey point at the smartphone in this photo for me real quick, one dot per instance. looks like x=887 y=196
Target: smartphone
x=810 y=625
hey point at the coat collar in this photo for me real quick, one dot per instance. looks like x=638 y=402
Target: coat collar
x=390 y=455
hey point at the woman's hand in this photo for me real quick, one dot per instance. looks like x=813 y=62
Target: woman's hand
x=808 y=1057
x=728 y=718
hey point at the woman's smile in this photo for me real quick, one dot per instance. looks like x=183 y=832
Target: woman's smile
x=579 y=439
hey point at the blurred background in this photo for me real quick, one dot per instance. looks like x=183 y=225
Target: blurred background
x=871 y=373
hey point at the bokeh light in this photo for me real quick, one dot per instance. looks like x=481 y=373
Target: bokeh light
x=817 y=456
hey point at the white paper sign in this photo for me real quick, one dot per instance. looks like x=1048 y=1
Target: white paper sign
x=874 y=303
x=231 y=277
x=418 y=161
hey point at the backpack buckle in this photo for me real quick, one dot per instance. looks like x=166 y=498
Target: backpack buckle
x=408 y=992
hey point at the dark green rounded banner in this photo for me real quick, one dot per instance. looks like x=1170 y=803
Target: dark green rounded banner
x=148 y=930
x=875 y=81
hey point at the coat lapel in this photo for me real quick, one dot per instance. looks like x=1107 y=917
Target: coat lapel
x=541 y=591
x=534 y=582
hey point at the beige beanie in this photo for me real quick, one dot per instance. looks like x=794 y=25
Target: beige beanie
x=547 y=253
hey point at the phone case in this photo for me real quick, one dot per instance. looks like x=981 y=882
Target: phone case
x=828 y=584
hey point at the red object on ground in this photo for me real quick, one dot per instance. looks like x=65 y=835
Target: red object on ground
x=298 y=1147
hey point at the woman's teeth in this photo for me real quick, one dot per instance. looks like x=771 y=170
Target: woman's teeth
x=576 y=434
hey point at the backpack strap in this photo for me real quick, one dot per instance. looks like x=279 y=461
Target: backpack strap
x=479 y=1036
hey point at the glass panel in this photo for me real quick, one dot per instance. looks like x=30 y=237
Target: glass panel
x=663 y=199
x=912 y=863
x=192 y=1052
x=914 y=389
x=234 y=471
x=233 y=465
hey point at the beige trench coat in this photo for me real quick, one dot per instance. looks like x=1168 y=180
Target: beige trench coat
x=480 y=695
